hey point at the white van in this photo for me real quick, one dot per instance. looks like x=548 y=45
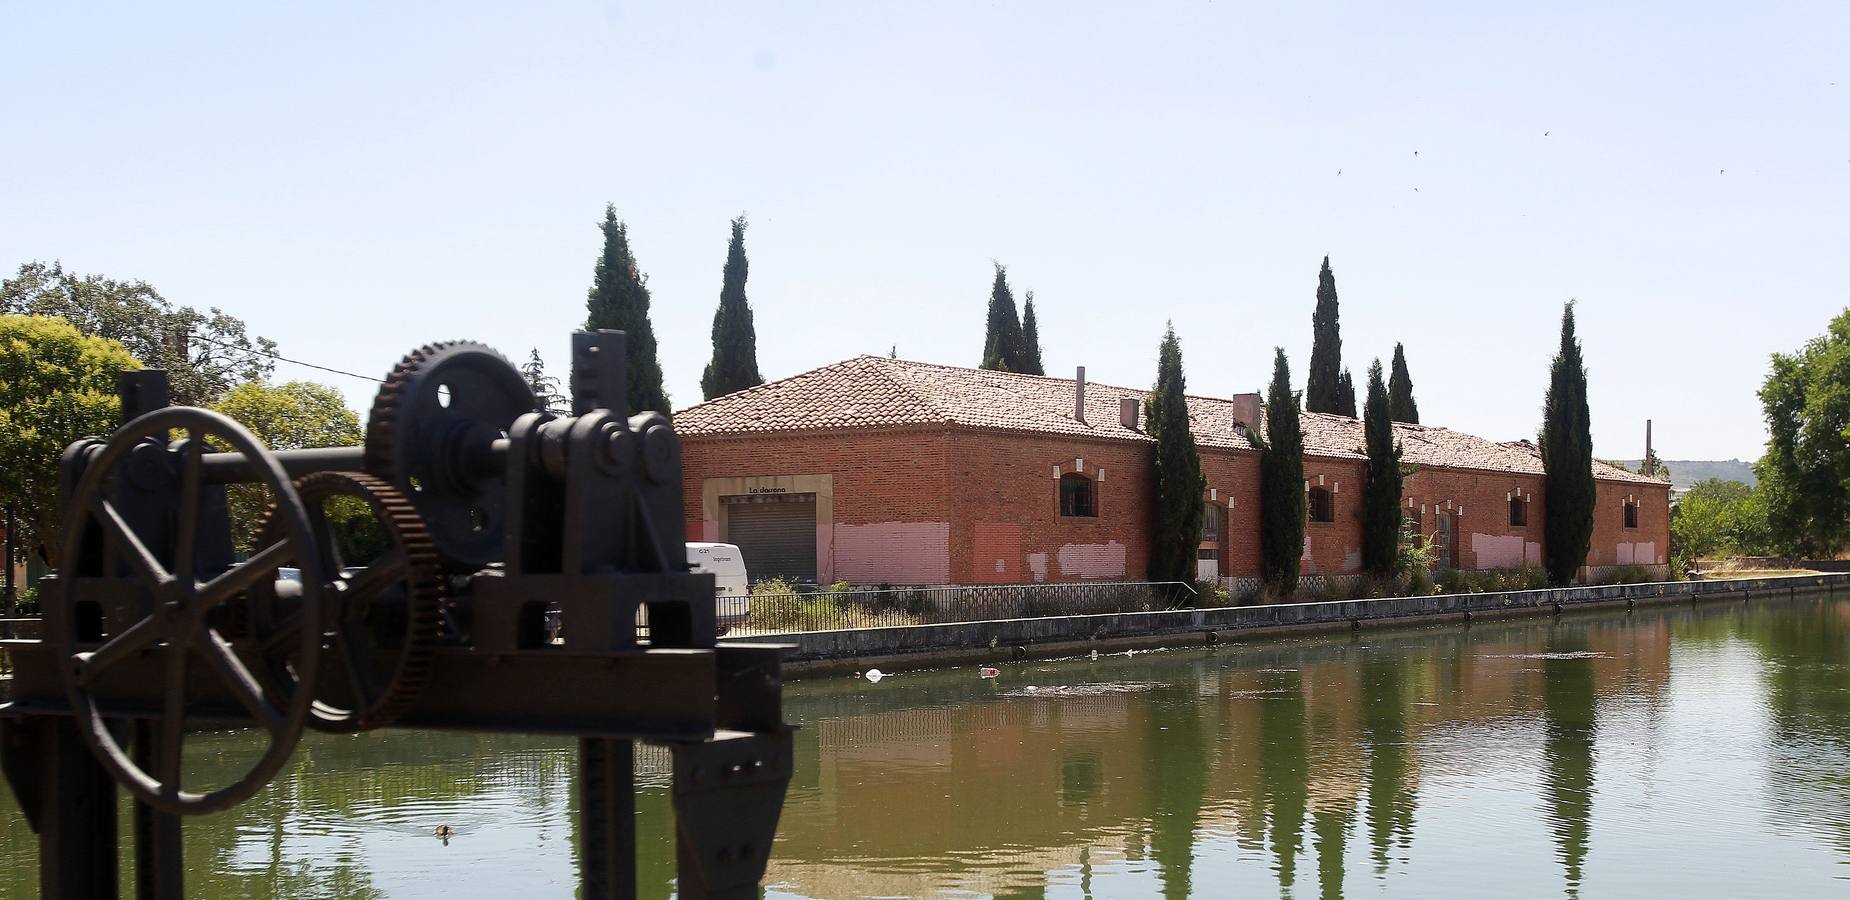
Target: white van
x=727 y=566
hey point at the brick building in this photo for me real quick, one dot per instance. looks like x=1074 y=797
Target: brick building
x=883 y=471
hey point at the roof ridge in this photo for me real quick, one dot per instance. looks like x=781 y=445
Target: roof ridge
x=766 y=385
x=882 y=365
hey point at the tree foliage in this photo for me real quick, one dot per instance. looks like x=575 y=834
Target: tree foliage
x=296 y=415
x=1322 y=390
x=1177 y=461
x=1400 y=390
x=1281 y=483
x=56 y=385
x=1345 y=395
x=545 y=387
x=1805 y=475
x=1381 y=481
x=1031 y=339
x=1003 y=340
x=619 y=299
x=1567 y=460
x=204 y=354
x=734 y=366
x=1717 y=518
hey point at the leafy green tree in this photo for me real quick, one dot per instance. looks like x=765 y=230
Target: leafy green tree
x=619 y=299
x=1381 y=482
x=1567 y=460
x=1805 y=474
x=296 y=415
x=204 y=354
x=1031 y=339
x=1281 y=483
x=1002 y=344
x=545 y=387
x=1718 y=518
x=1345 y=395
x=1177 y=462
x=735 y=340
x=1400 y=390
x=1322 y=391
x=56 y=385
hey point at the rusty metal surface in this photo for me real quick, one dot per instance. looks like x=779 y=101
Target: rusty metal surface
x=531 y=520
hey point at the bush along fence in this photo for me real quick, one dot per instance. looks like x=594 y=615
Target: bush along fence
x=998 y=640
x=833 y=609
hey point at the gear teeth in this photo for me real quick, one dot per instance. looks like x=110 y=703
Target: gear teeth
x=424 y=598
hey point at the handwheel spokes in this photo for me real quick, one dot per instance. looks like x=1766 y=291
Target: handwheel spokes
x=139 y=556
x=287 y=637
x=231 y=670
x=116 y=649
x=383 y=573
x=241 y=577
x=350 y=652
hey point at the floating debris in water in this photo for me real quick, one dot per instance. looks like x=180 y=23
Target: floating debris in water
x=1100 y=689
x=1565 y=654
x=874 y=675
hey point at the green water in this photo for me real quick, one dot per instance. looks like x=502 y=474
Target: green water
x=1662 y=753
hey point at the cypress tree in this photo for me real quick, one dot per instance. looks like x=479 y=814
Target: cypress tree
x=1381 y=482
x=545 y=387
x=1177 y=463
x=1281 y=483
x=1030 y=339
x=1400 y=390
x=1567 y=461
x=619 y=299
x=735 y=340
x=1345 y=395
x=1326 y=351
x=1002 y=343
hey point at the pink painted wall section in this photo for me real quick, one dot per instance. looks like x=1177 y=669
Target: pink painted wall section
x=1497 y=551
x=893 y=553
x=1639 y=553
x=1092 y=560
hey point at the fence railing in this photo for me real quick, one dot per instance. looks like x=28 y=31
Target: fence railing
x=15 y=628
x=826 y=610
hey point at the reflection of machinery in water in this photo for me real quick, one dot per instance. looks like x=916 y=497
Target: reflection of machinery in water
x=492 y=512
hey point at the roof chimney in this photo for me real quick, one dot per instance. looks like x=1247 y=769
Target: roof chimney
x=1079 y=395
x=1246 y=409
x=1127 y=413
x=1649 y=465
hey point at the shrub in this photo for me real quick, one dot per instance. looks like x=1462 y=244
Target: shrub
x=773 y=586
x=1627 y=575
x=1211 y=594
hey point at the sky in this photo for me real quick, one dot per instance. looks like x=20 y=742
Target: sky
x=356 y=180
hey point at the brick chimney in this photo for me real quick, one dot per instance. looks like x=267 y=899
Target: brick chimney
x=1079 y=395
x=1246 y=409
x=1128 y=413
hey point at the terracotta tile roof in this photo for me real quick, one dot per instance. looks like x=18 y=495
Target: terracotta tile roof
x=874 y=391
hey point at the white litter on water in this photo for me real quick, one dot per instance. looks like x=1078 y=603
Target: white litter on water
x=874 y=675
x=1566 y=654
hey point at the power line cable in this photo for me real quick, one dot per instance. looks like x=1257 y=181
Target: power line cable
x=286 y=359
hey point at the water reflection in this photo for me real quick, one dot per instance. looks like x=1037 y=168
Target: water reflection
x=1379 y=764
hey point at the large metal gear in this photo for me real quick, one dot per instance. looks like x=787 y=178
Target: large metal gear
x=430 y=434
x=382 y=622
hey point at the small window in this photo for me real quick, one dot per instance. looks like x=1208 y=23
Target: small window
x=1519 y=512
x=1207 y=554
x=1631 y=514
x=1213 y=519
x=1322 y=505
x=1078 y=496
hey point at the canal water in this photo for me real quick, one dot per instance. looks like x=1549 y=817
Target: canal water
x=1665 y=752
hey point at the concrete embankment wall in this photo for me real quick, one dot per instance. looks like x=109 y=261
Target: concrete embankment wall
x=821 y=652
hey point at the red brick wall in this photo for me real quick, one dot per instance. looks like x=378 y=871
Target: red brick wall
x=1000 y=478
x=999 y=497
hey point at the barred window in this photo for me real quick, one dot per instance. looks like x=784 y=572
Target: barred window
x=1631 y=514
x=1519 y=512
x=1322 y=505
x=1213 y=520
x=1078 y=496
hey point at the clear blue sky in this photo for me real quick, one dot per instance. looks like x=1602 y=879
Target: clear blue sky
x=356 y=180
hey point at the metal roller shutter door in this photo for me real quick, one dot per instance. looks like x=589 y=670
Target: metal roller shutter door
x=776 y=538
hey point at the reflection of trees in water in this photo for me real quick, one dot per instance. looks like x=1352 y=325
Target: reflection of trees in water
x=1284 y=766
x=1391 y=785
x=1177 y=763
x=1567 y=747
x=1806 y=671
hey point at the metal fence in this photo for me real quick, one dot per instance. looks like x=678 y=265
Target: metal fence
x=15 y=628
x=825 y=610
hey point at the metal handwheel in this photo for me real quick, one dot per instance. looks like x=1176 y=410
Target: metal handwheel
x=176 y=604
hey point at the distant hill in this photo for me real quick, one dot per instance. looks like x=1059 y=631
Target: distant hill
x=1686 y=472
